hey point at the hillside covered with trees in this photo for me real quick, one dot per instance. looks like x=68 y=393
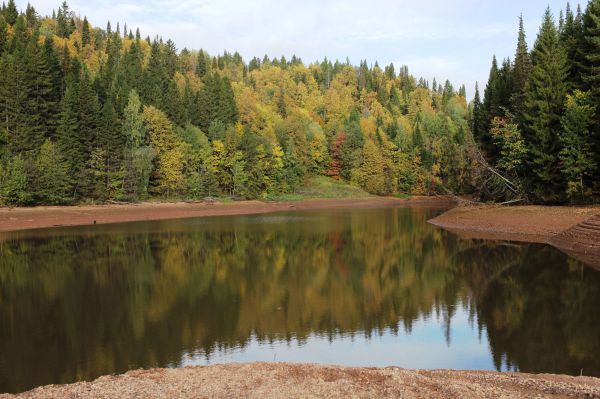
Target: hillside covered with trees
x=96 y=115
x=91 y=114
x=539 y=120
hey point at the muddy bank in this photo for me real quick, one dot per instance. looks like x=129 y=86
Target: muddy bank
x=12 y=219
x=575 y=230
x=275 y=380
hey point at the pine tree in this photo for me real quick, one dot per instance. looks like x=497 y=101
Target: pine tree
x=544 y=104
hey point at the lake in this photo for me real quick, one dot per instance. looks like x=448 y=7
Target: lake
x=358 y=287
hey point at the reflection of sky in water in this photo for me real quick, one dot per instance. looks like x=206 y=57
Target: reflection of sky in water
x=425 y=347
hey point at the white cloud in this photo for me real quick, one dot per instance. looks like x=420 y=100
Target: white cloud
x=453 y=40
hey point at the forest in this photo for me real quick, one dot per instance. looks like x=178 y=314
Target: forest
x=539 y=120
x=99 y=115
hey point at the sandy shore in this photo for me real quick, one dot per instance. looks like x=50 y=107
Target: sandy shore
x=517 y=223
x=276 y=380
x=12 y=219
x=574 y=230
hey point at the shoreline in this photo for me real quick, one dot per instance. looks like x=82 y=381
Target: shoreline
x=573 y=230
x=19 y=219
x=270 y=380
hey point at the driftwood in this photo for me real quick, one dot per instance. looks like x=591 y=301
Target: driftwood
x=493 y=185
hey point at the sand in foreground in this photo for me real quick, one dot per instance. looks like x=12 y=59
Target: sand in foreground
x=276 y=380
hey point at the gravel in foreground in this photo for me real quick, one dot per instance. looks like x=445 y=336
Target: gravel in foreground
x=276 y=380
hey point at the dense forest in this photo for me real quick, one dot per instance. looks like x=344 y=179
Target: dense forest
x=539 y=120
x=94 y=114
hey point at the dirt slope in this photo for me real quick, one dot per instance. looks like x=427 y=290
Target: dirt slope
x=574 y=230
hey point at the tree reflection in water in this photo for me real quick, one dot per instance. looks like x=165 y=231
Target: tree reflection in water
x=76 y=303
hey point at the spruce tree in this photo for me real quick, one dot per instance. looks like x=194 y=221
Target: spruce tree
x=478 y=121
x=11 y=12
x=521 y=71
x=69 y=141
x=576 y=155
x=3 y=34
x=491 y=106
x=544 y=105
x=52 y=181
x=505 y=87
x=591 y=66
x=85 y=32
x=201 y=65
x=31 y=17
x=63 y=20
x=571 y=37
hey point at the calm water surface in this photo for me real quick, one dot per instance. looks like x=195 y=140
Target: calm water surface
x=370 y=287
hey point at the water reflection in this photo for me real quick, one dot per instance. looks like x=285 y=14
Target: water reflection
x=357 y=287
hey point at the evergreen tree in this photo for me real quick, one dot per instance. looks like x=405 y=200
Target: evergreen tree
x=14 y=188
x=63 y=20
x=201 y=65
x=571 y=36
x=521 y=71
x=576 y=155
x=478 y=119
x=591 y=66
x=19 y=107
x=31 y=17
x=544 y=104
x=85 y=32
x=108 y=159
x=491 y=106
x=3 y=34
x=11 y=13
x=52 y=181
x=68 y=141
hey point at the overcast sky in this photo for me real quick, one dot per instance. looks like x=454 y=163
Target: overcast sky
x=447 y=39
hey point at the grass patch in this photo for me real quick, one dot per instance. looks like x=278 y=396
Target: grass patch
x=322 y=187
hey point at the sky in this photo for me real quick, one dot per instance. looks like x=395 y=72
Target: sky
x=452 y=40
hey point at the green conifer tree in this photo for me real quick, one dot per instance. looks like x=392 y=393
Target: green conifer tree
x=53 y=181
x=521 y=71
x=544 y=105
x=85 y=32
x=576 y=155
x=11 y=12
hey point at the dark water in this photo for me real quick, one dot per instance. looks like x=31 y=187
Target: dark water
x=371 y=287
